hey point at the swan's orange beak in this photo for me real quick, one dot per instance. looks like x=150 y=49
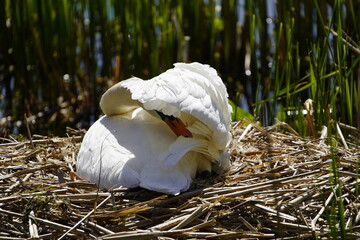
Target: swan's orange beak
x=176 y=125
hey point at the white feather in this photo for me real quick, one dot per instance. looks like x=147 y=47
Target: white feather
x=179 y=148
x=130 y=147
x=117 y=151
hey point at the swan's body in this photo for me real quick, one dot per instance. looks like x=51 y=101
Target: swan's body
x=132 y=146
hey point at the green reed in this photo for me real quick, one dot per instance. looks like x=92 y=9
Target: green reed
x=60 y=56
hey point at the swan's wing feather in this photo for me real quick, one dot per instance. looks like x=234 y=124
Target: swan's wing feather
x=192 y=88
x=179 y=148
x=117 y=99
x=101 y=159
x=172 y=180
x=121 y=151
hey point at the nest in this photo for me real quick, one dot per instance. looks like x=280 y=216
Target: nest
x=280 y=185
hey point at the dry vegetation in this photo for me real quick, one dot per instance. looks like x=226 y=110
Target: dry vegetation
x=280 y=186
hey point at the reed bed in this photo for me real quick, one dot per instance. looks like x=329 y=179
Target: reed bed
x=280 y=185
x=58 y=57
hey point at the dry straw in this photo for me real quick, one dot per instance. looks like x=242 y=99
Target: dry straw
x=279 y=186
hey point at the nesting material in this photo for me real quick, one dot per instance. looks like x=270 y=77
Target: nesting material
x=280 y=185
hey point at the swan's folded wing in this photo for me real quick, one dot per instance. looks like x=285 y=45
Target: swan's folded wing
x=102 y=160
x=193 y=88
x=179 y=148
x=170 y=180
x=120 y=151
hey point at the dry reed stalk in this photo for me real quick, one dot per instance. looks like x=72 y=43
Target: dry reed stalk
x=278 y=187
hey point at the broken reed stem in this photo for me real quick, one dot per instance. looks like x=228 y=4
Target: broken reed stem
x=28 y=131
x=355 y=48
x=313 y=222
x=84 y=218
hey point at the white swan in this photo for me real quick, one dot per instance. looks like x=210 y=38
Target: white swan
x=159 y=133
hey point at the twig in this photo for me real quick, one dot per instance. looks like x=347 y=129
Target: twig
x=352 y=47
x=341 y=136
x=25 y=171
x=273 y=212
x=284 y=125
x=40 y=220
x=247 y=129
x=349 y=127
x=17 y=183
x=261 y=130
x=100 y=228
x=39 y=141
x=197 y=213
x=84 y=218
x=28 y=130
x=247 y=224
x=313 y=222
